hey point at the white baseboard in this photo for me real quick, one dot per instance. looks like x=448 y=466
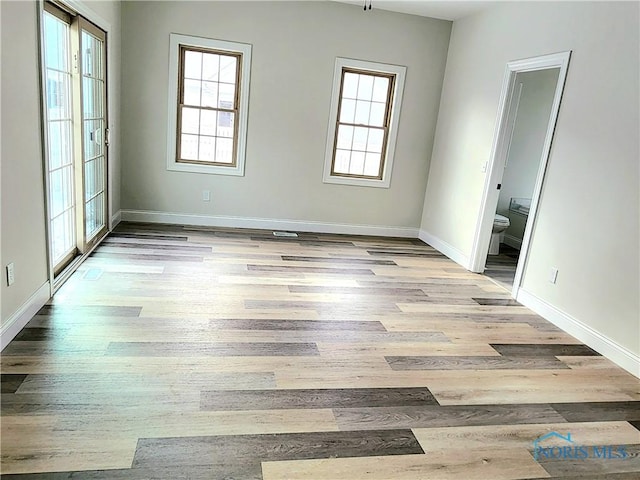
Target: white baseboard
x=513 y=241
x=21 y=317
x=116 y=219
x=590 y=337
x=445 y=248
x=265 y=224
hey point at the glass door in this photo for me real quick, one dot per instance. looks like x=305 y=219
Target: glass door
x=75 y=111
x=94 y=132
x=59 y=130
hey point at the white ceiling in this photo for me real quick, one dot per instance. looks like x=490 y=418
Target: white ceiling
x=446 y=10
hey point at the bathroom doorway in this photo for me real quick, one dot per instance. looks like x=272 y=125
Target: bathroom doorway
x=529 y=107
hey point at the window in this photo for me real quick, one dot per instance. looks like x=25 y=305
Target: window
x=365 y=109
x=208 y=105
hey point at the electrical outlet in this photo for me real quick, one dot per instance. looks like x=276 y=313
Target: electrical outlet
x=484 y=167
x=10 y=276
x=206 y=195
x=553 y=275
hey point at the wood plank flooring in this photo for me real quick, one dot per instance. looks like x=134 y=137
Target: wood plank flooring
x=201 y=353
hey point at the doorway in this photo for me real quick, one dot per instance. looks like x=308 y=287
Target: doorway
x=76 y=135
x=529 y=107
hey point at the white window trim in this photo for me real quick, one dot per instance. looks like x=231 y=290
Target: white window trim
x=243 y=108
x=400 y=73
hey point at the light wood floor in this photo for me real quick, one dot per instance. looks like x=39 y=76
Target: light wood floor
x=216 y=354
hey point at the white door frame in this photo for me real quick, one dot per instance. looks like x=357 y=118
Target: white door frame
x=499 y=152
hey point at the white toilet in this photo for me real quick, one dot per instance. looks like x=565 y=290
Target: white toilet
x=500 y=224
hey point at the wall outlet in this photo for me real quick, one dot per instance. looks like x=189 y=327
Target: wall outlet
x=10 y=277
x=553 y=275
x=206 y=195
x=485 y=165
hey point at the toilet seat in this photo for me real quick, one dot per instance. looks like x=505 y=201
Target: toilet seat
x=501 y=220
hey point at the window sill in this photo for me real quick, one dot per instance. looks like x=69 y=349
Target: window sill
x=358 y=182
x=237 y=171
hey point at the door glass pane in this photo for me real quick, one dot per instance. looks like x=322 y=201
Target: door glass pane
x=59 y=138
x=93 y=123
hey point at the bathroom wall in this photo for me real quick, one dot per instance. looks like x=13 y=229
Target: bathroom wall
x=523 y=161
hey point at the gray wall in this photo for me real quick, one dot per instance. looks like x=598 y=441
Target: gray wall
x=530 y=129
x=589 y=214
x=22 y=223
x=294 y=49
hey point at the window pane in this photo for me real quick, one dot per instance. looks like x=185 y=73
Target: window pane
x=207 y=148
x=55 y=32
x=209 y=94
x=377 y=114
x=57 y=95
x=341 y=164
x=193 y=65
x=228 y=69
x=347 y=111
x=345 y=137
x=225 y=124
x=365 y=87
x=362 y=112
x=189 y=147
x=227 y=96
x=374 y=144
x=224 y=150
x=372 y=164
x=192 y=92
x=207 y=122
x=360 y=139
x=190 y=120
x=210 y=66
x=91 y=56
x=350 y=85
x=59 y=144
x=357 y=163
x=92 y=95
x=380 y=89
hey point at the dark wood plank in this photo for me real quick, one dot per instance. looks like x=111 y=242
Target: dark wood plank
x=147 y=257
x=598 y=411
x=315 y=398
x=337 y=260
x=91 y=310
x=146 y=236
x=39 y=334
x=381 y=306
x=307 y=325
x=366 y=291
x=530 y=350
x=445 y=416
x=220 y=349
x=239 y=456
x=10 y=382
x=158 y=246
x=405 y=253
x=504 y=302
x=635 y=423
x=324 y=270
x=474 y=363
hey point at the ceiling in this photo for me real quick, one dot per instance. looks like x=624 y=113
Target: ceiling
x=446 y=10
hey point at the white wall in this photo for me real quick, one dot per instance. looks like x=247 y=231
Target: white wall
x=23 y=216
x=530 y=129
x=589 y=215
x=23 y=212
x=295 y=45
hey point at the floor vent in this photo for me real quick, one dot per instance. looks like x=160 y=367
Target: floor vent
x=285 y=234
